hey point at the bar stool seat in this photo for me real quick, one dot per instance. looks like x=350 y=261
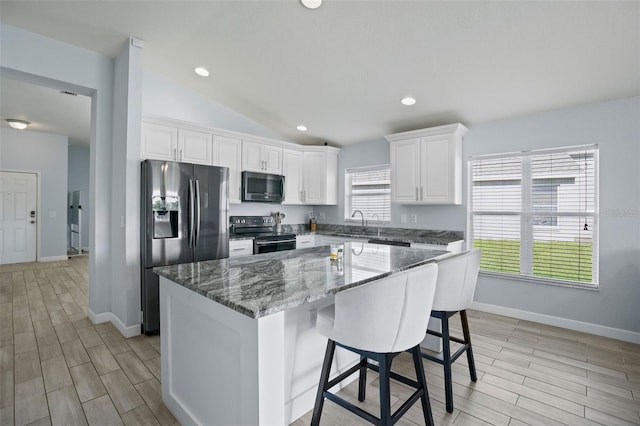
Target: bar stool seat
x=378 y=321
x=457 y=278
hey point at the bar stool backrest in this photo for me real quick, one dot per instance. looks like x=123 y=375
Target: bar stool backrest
x=386 y=315
x=457 y=278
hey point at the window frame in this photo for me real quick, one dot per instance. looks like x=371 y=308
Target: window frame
x=527 y=212
x=348 y=197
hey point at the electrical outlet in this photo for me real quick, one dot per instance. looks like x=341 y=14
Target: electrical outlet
x=403 y=218
x=414 y=218
x=313 y=318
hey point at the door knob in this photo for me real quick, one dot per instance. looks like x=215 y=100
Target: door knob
x=32 y=213
x=33 y=221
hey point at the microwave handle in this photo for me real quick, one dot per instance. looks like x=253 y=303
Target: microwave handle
x=282 y=188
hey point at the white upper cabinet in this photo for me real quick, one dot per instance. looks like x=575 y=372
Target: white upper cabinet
x=311 y=172
x=259 y=157
x=194 y=147
x=320 y=175
x=426 y=165
x=161 y=142
x=228 y=153
x=293 y=179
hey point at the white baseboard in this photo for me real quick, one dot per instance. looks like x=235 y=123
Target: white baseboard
x=585 y=327
x=53 y=258
x=130 y=331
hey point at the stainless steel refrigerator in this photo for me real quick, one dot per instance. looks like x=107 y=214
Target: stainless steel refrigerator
x=184 y=210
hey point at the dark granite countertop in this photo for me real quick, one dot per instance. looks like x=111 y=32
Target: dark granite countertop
x=417 y=236
x=265 y=284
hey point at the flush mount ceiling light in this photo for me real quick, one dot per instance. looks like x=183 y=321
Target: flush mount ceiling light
x=311 y=4
x=302 y=128
x=201 y=71
x=408 y=101
x=18 y=124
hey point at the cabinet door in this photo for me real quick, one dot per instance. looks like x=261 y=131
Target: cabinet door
x=195 y=147
x=292 y=171
x=159 y=142
x=315 y=172
x=272 y=159
x=229 y=151
x=437 y=171
x=405 y=171
x=252 y=157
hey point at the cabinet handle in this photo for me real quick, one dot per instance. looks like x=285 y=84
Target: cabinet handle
x=175 y=153
x=417 y=193
x=181 y=155
x=421 y=197
x=239 y=249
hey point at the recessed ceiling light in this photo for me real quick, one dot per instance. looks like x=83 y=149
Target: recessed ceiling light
x=311 y=4
x=18 y=124
x=302 y=128
x=408 y=100
x=201 y=71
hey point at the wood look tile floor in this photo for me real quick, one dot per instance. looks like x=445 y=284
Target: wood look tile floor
x=58 y=368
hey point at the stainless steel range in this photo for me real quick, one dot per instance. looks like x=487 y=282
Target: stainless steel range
x=263 y=231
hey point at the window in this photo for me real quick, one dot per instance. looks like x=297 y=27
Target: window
x=535 y=214
x=368 y=189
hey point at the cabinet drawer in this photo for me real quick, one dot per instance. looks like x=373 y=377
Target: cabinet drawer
x=304 y=241
x=240 y=247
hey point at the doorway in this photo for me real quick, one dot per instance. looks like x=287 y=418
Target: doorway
x=18 y=217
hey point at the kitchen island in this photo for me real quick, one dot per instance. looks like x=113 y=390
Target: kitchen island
x=239 y=344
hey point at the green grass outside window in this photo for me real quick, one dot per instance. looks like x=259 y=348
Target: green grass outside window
x=563 y=260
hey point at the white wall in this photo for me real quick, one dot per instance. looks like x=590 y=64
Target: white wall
x=78 y=180
x=615 y=127
x=45 y=153
x=41 y=60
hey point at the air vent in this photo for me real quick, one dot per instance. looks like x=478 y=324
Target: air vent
x=66 y=92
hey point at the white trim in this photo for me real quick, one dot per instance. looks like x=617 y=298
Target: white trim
x=585 y=327
x=53 y=258
x=130 y=331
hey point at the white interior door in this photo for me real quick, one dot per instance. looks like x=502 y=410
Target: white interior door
x=18 y=216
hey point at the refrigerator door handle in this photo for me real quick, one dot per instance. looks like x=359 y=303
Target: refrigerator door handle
x=198 y=203
x=191 y=212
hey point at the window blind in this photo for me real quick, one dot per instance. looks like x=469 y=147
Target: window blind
x=535 y=214
x=368 y=189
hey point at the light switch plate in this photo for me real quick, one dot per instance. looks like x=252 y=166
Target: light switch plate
x=414 y=218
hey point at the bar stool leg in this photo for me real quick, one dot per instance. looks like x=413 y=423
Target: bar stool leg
x=446 y=361
x=467 y=340
x=324 y=379
x=422 y=382
x=385 y=389
x=362 y=383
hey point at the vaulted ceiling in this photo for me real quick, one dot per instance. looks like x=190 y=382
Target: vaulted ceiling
x=342 y=69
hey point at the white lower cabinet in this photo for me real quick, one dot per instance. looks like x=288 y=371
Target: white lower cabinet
x=305 y=241
x=240 y=248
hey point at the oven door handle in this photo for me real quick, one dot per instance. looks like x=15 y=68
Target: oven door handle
x=266 y=243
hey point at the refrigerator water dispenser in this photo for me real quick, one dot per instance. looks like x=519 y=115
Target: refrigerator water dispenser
x=165 y=216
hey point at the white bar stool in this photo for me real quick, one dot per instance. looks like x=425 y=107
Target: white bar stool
x=457 y=278
x=379 y=320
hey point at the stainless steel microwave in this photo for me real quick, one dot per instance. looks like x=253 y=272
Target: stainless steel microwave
x=262 y=187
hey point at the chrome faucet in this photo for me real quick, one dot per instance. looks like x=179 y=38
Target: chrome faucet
x=363 y=222
x=377 y=224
